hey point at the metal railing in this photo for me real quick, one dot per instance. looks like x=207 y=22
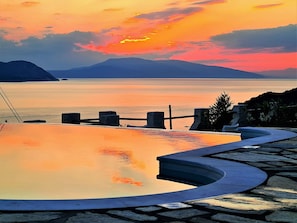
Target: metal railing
x=153 y=119
x=9 y=105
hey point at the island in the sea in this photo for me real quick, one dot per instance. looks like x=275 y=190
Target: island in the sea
x=21 y=71
x=141 y=68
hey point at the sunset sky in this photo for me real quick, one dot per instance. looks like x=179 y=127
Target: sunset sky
x=251 y=35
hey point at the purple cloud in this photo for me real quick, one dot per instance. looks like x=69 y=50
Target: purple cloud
x=169 y=13
x=54 y=51
x=209 y=2
x=279 y=39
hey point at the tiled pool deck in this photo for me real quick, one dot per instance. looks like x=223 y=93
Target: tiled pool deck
x=274 y=200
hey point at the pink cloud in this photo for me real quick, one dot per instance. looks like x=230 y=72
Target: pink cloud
x=211 y=54
x=3 y=19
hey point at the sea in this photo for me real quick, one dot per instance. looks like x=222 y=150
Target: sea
x=129 y=98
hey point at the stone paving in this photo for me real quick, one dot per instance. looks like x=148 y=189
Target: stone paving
x=273 y=201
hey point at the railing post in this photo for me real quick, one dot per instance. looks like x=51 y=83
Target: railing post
x=109 y=118
x=170 y=117
x=155 y=120
x=239 y=118
x=71 y=118
x=201 y=119
x=241 y=110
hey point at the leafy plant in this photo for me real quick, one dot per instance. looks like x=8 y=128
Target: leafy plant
x=273 y=109
x=219 y=114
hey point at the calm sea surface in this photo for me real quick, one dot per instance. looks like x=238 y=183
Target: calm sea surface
x=128 y=97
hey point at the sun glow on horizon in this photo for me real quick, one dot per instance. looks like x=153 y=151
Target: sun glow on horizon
x=129 y=40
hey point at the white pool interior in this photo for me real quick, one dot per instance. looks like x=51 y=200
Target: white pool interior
x=48 y=162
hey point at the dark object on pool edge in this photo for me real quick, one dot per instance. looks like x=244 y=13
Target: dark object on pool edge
x=35 y=121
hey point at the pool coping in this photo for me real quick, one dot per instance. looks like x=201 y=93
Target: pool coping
x=230 y=178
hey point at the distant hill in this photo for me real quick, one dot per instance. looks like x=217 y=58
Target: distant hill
x=140 y=68
x=287 y=73
x=18 y=71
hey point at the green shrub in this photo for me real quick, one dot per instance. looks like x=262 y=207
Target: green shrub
x=219 y=112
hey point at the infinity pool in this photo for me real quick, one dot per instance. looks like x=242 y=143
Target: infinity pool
x=49 y=162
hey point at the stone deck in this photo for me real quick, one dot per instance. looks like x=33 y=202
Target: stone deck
x=275 y=200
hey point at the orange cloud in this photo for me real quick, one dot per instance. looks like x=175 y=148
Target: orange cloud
x=30 y=3
x=137 y=36
x=133 y=20
x=267 y=6
x=113 y=10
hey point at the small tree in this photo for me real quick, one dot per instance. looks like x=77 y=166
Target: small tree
x=219 y=114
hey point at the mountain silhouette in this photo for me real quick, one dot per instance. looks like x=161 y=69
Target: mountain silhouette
x=18 y=71
x=285 y=73
x=141 y=68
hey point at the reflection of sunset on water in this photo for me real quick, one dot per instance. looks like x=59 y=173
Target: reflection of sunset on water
x=126 y=156
x=126 y=180
x=41 y=161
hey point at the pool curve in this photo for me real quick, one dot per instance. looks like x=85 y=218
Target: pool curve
x=221 y=176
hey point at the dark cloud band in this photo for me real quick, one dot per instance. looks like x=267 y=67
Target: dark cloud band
x=167 y=14
x=280 y=39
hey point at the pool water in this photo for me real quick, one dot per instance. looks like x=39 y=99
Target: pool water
x=43 y=161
